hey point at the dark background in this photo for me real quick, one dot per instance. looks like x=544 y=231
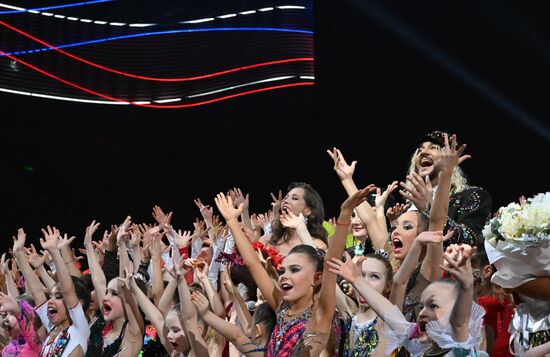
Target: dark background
x=386 y=72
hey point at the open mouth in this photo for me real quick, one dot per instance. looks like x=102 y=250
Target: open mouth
x=426 y=161
x=106 y=308
x=286 y=287
x=174 y=345
x=422 y=326
x=52 y=311
x=397 y=245
x=357 y=227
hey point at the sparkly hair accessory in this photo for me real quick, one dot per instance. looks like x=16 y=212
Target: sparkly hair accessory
x=320 y=253
x=382 y=253
x=233 y=258
x=436 y=137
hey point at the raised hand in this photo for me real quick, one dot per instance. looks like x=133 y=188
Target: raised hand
x=51 y=238
x=450 y=156
x=357 y=198
x=394 y=212
x=290 y=220
x=8 y=303
x=419 y=191
x=4 y=265
x=226 y=207
x=238 y=198
x=123 y=229
x=276 y=201
x=343 y=170
x=349 y=270
x=184 y=239
x=433 y=237
x=459 y=265
x=201 y=302
x=381 y=197
x=158 y=214
x=34 y=258
x=19 y=242
x=65 y=241
x=125 y=280
x=90 y=230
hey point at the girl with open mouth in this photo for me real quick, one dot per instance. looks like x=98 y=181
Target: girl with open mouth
x=18 y=322
x=124 y=327
x=305 y=324
x=62 y=315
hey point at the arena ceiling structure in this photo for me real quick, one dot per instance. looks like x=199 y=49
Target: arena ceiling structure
x=165 y=54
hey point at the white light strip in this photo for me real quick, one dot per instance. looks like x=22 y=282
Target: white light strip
x=226 y=16
x=142 y=102
x=240 y=86
x=11 y=7
x=291 y=7
x=307 y=77
x=198 y=21
x=6 y=90
x=161 y=101
x=100 y=22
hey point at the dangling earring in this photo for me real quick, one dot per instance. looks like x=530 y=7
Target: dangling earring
x=305 y=219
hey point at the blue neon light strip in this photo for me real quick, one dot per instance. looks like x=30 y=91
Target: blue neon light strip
x=54 y=7
x=106 y=39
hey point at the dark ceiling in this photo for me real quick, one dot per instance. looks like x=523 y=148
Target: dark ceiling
x=386 y=72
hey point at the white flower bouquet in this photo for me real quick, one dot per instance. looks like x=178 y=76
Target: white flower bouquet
x=517 y=241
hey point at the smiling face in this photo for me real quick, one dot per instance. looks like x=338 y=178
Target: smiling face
x=427 y=158
x=297 y=277
x=436 y=301
x=404 y=233
x=295 y=202
x=374 y=272
x=57 y=311
x=175 y=335
x=359 y=230
x=112 y=304
x=10 y=324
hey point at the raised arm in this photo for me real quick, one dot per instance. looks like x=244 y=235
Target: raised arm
x=135 y=321
x=409 y=264
x=352 y=273
x=461 y=268
x=298 y=223
x=230 y=331
x=450 y=158
x=98 y=277
x=6 y=272
x=67 y=254
x=261 y=277
x=364 y=210
x=189 y=313
x=34 y=286
x=322 y=319
x=50 y=243
x=37 y=262
x=212 y=294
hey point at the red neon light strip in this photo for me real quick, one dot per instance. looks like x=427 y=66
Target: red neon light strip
x=157 y=79
x=48 y=74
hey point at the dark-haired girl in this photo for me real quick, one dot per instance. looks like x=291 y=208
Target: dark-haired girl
x=305 y=325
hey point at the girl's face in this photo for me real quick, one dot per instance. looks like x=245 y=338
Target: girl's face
x=295 y=202
x=175 y=335
x=112 y=304
x=10 y=324
x=404 y=234
x=436 y=301
x=297 y=277
x=57 y=312
x=374 y=273
x=359 y=230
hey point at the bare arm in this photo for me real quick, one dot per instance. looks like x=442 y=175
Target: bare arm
x=34 y=285
x=50 y=243
x=98 y=276
x=67 y=254
x=322 y=319
x=260 y=275
x=238 y=302
x=213 y=296
x=168 y=296
x=135 y=321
